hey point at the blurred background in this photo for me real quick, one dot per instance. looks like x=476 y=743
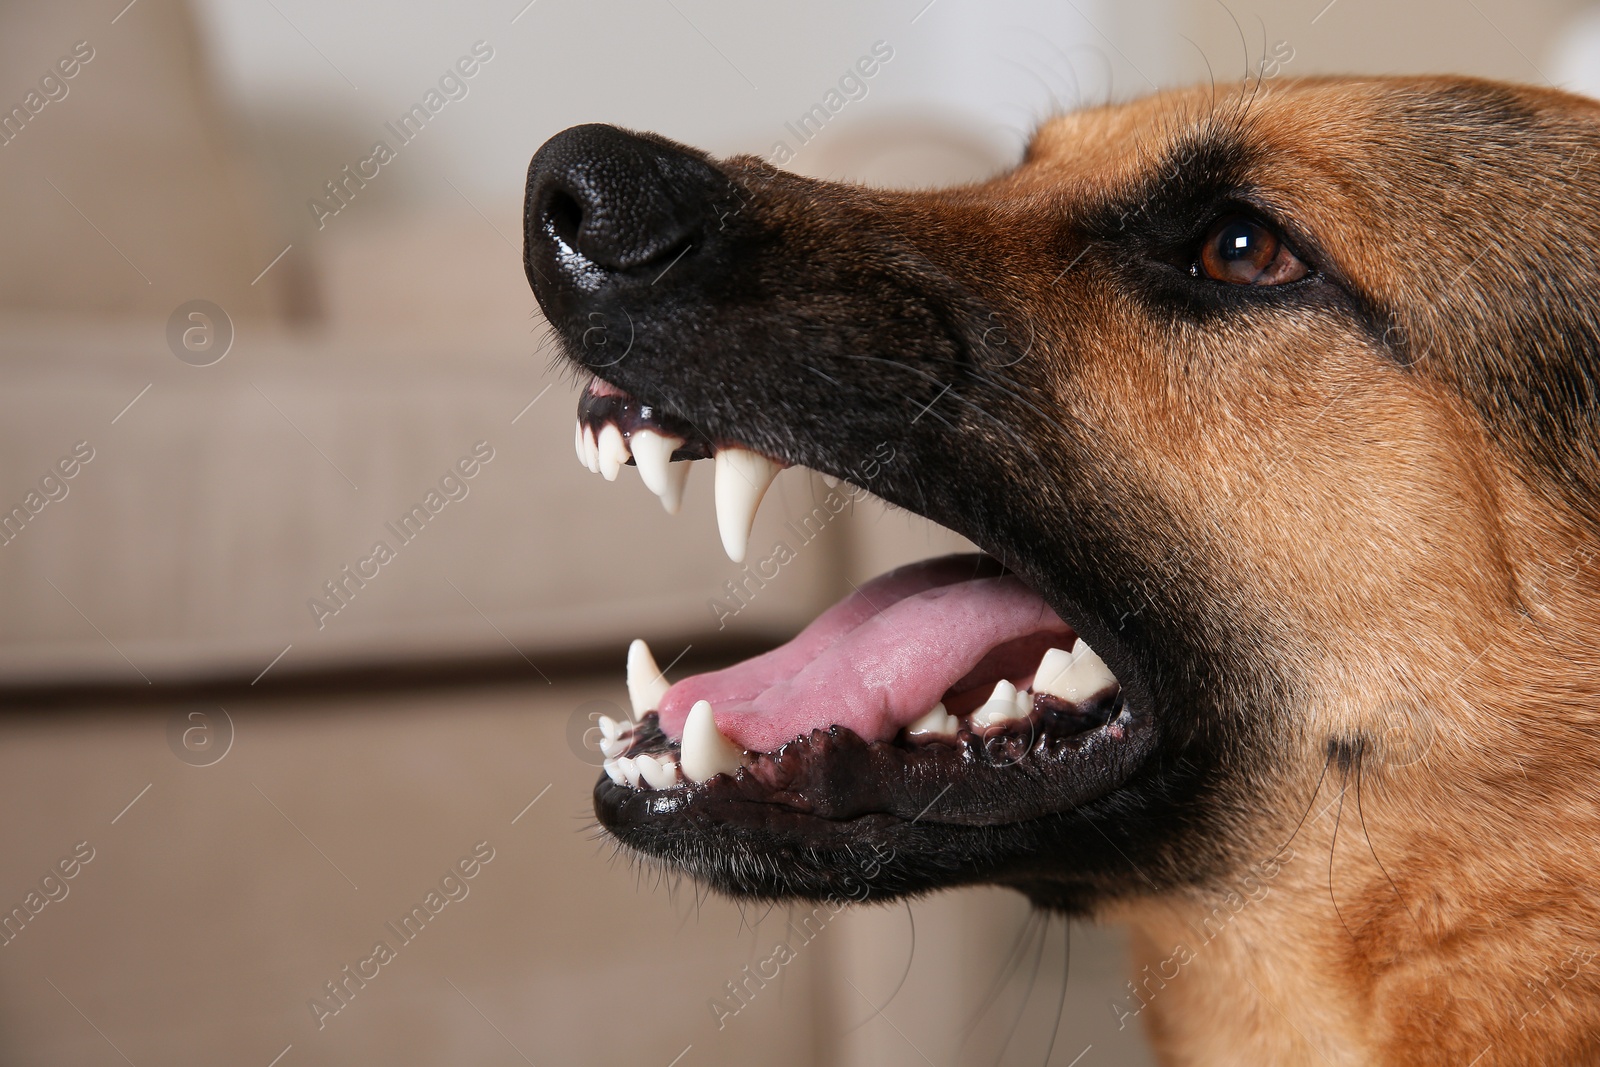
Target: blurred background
x=255 y=341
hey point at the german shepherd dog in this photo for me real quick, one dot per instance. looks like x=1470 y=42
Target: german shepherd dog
x=1277 y=416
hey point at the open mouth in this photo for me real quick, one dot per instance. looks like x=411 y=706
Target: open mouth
x=922 y=697
x=950 y=714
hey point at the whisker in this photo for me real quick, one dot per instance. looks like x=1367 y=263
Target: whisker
x=1002 y=976
x=1066 y=977
x=1362 y=816
x=911 y=919
x=1333 y=847
x=1309 y=803
x=1033 y=977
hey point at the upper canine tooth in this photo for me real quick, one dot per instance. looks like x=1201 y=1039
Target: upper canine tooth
x=742 y=480
x=577 y=442
x=1075 y=676
x=1000 y=707
x=652 y=453
x=613 y=451
x=937 y=723
x=591 y=451
x=706 y=753
x=677 y=477
x=646 y=682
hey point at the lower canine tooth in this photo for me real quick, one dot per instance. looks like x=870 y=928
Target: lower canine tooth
x=613 y=451
x=646 y=682
x=706 y=753
x=1075 y=676
x=652 y=453
x=742 y=477
x=657 y=773
x=1000 y=707
x=937 y=723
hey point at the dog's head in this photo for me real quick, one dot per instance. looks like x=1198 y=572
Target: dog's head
x=1274 y=412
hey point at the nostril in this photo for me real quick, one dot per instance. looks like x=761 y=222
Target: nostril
x=611 y=205
x=564 y=215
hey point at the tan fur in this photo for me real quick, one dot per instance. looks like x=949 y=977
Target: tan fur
x=1436 y=902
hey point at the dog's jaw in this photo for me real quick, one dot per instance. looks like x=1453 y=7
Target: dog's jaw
x=893 y=722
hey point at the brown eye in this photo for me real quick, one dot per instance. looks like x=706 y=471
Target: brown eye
x=1241 y=251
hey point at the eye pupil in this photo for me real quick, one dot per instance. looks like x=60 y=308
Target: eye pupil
x=1246 y=240
x=1242 y=251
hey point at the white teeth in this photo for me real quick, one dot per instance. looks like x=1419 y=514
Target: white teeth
x=937 y=723
x=741 y=481
x=659 y=773
x=646 y=683
x=612 y=741
x=742 y=476
x=613 y=451
x=577 y=442
x=677 y=477
x=706 y=753
x=830 y=481
x=652 y=453
x=1075 y=676
x=1052 y=669
x=1001 y=706
x=614 y=772
x=630 y=770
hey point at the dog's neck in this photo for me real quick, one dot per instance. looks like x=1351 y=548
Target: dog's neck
x=1430 y=897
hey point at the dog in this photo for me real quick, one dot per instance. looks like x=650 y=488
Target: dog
x=1276 y=414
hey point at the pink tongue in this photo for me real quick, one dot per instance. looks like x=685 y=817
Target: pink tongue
x=874 y=662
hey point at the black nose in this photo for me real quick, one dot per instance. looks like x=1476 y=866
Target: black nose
x=605 y=206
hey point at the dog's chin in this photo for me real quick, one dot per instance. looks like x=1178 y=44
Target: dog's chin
x=943 y=725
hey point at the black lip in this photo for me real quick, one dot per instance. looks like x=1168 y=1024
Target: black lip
x=820 y=797
x=629 y=413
